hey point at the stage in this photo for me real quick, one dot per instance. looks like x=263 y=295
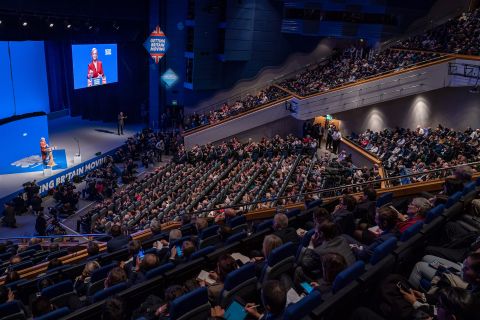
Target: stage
x=93 y=136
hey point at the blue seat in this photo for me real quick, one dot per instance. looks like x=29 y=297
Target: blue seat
x=9 y=308
x=292 y=213
x=209 y=232
x=56 y=314
x=239 y=283
x=469 y=188
x=348 y=275
x=264 y=225
x=237 y=221
x=159 y=270
x=57 y=254
x=102 y=272
x=105 y=293
x=58 y=289
x=281 y=260
x=202 y=252
x=27 y=253
x=453 y=199
x=97 y=278
x=411 y=231
x=304 y=244
x=384 y=199
x=303 y=307
x=5 y=256
x=191 y=306
x=236 y=237
x=314 y=203
x=383 y=250
x=434 y=213
x=477 y=182
x=36 y=247
x=21 y=265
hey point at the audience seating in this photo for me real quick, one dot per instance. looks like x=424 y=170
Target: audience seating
x=110 y=291
x=56 y=314
x=191 y=306
x=302 y=308
x=280 y=261
x=239 y=283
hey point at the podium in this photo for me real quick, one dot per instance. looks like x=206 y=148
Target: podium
x=47 y=171
x=96 y=81
x=77 y=159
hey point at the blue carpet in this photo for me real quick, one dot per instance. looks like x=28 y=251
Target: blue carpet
x=34 y=163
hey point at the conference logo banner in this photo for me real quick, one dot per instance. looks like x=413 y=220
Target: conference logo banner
x=156 y=44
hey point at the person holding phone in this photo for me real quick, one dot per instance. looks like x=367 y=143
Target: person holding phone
x=144 y=263
x=181 y=253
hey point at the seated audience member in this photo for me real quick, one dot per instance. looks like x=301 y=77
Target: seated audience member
x=283 y=231
x=270 y=242
x=118 y=240
x=225 y=265
x=332 y=265
x=92 y=248
x=325 y=240
x=343 y=214
x=201 y=224
x=417 y=211
x=171 y=293
x=155 y=227
x=187 y=249
x=7 y=295
x=134 y=246
x=452 y=304
x=41 y=305
x=366 y=206
x=54 y=264
x=113 y=309
x=387 y=220
x=274 y=299
x=149 y=262
x=82 y=281
x=115 y=276
x=467 y=273
x=11 y=276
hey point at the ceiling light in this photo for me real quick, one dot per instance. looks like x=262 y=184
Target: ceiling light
x=25 y=23
x=51 y=25
x=69 y=26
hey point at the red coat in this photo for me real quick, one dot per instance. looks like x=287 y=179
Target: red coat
x=96 y=71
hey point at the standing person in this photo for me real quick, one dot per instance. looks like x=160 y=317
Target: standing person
x=41 y=225
x=9 y=216
x=329 y=137
x=121 y=123
x=336 y=137
x=160 y=146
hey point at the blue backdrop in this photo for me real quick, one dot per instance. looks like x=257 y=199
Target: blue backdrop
x=23 y=78
x=107 y=54
x=22 y=144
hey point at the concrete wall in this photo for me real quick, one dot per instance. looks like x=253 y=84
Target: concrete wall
x=452 y=107
x=282 y=127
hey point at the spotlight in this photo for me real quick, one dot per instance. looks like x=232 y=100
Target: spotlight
x=90 y=27
x=116 y=26
x=69 y=26
x=25 y=23
x=51 y=25
x=0 y=21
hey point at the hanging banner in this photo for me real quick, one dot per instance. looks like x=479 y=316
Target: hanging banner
x=156 y=44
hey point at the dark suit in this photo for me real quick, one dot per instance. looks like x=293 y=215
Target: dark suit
x=288 y=235
x=117 y=243
x=345 y=221
x=367 y=252
x=9 y=217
